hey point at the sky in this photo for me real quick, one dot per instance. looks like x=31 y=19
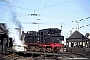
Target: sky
x=52 y=14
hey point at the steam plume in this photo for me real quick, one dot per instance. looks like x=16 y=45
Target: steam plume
x=14 y=34
x=18 y=44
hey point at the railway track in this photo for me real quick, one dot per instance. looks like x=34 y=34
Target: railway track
x=9 y=57
x=62 y=56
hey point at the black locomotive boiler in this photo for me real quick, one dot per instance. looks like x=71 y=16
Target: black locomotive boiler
x=48 y=40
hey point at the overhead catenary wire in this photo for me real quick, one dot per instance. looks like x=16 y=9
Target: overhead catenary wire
x=78 y=21
x=39 y=8
x=44 y=7
x=14 y=14
x=17 y=7
x=56 y=4
x=38 y=4
x=66 y=22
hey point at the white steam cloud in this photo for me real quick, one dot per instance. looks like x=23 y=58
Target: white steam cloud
x=13 y=33
x=18 y=45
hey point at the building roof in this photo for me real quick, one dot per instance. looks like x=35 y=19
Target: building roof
x=3 y=28
x=77 y=35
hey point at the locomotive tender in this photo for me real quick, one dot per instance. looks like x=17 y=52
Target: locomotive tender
x=48 y=40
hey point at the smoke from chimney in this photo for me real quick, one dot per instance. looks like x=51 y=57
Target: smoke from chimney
x=13 y=33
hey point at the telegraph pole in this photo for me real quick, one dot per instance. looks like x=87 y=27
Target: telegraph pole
x=34 y=14
x=61 y=26
x=77 y=25
x=38 y=23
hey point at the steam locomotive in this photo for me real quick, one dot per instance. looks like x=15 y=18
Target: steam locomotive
x=5 y=40
x=45 y=40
